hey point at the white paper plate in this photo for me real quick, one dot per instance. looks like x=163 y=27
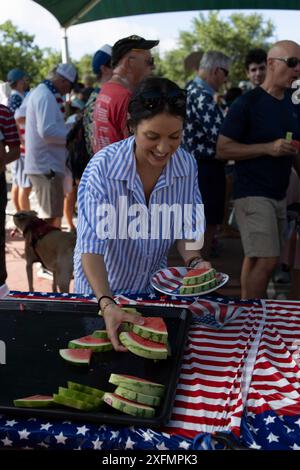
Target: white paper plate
x=169 y=280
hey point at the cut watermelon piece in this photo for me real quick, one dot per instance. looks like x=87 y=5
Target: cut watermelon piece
x=36 y=401
x=153 y=328
x=128 y=407
x=143 y=347
x=137 y=384
x=95 y=344
x=72 y=402
x=86 y=389
x=76 y=356
x=138 y=397
x=85 y=397
x=198 y=288
x=197 y=276
x=100 y=334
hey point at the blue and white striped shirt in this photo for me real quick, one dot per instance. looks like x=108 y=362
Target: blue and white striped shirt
x=112 y=173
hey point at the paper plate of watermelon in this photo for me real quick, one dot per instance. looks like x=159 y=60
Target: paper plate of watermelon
x=187 y=282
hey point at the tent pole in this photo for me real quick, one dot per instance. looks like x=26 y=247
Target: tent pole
x=64 y=46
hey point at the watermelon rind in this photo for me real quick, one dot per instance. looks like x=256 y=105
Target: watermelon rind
x=76 y=356
x=148 y=331
x=86 y=389
x=90 y=342
x=143 y=347
x=198 y=288
x=137 y=384
x=85 y=397
x=138 y=397
x=72 y=402
x=128 y=407
x=198 y=279
x=35 y=401
x=100 y=334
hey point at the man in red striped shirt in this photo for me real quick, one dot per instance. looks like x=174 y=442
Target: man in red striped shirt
x=9 y=151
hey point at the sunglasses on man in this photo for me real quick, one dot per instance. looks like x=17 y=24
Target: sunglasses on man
x=153 y=99
x=291 y=62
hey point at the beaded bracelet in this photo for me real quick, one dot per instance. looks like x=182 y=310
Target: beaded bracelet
x=105 y=297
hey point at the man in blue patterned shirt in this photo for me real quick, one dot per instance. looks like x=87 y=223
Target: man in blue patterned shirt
x=202 y=126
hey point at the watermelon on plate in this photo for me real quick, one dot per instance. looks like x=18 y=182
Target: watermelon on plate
x=72 y=402
x=198 y=288
x=35 y=401
x=128 y=407
x=198 y=275
x=85 y=397
x=143 y=347
x=86 y=389
x=100 y=334
x=153 y=328
x=95 y=344
x=76 y=356
x=137 y=384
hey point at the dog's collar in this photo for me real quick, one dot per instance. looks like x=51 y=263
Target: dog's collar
x=38 y=228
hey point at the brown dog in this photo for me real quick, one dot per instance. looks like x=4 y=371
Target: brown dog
x=48 y=245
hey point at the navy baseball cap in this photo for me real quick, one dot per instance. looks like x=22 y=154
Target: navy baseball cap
x=101 y=57
x=14 y=75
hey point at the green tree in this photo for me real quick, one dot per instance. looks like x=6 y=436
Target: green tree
x=233 y=36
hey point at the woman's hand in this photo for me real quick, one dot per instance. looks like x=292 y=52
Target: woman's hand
x=114 y=316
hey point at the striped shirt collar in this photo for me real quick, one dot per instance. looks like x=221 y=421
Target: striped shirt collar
x=126 y=169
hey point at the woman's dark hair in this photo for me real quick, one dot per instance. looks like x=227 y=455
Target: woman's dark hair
x=153 y=96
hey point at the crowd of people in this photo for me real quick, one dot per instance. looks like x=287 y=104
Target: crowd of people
x=136 y=136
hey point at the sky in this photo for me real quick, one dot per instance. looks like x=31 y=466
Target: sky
x=88 y=37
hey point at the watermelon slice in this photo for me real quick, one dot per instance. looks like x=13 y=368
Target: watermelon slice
x=85 y=397
x=197 y=276
x=137 y=384
x=143 y=347
x=138 y=397
x=128 y=407
x=86 y=389
x=90 y=342
x=72 y=402
x=76 y=356
x=36 y=401
x=153 y=328
x=198 y=288
x=100 y=334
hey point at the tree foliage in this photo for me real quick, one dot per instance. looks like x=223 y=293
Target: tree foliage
x=233 y=36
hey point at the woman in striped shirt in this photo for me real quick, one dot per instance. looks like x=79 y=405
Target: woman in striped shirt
x=136 y=198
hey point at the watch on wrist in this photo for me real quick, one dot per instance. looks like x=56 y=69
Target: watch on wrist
x=194 y=261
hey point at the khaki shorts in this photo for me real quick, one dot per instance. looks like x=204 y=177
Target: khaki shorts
x=261 y=222
x=50 y=195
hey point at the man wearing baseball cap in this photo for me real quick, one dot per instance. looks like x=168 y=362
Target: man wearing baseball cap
x=45 y=141
x=101 y=65
x=131 y=62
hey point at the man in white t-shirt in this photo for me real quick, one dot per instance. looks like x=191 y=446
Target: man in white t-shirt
x=45 y=141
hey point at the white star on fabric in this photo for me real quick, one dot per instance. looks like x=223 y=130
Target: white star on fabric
x=7 y=442
x=161 y=446
x=97 y=444
x=254 y=446
x=218 y=119
x=206 y=117
x=43 y=444
x=184 y=445
x=129 y=444
x=269 y=419
x=82 y=430
x=151 y=296
x=200 y=147
x=45 y=426
x=298 y=422
x=146 y=436
x=23 y=434
x=288 y=430
x=11 y=423
x=60 y=438
x=114 y=434
x=295 y=447
x=189 y=127
x=214 y=130
x=201 y=98
x=272 y=438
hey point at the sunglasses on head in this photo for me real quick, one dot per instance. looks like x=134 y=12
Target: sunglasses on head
x=225 y=71
x=291 y=62
x=154 y=99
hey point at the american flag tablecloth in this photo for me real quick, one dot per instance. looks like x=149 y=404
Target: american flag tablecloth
x=240 y=372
